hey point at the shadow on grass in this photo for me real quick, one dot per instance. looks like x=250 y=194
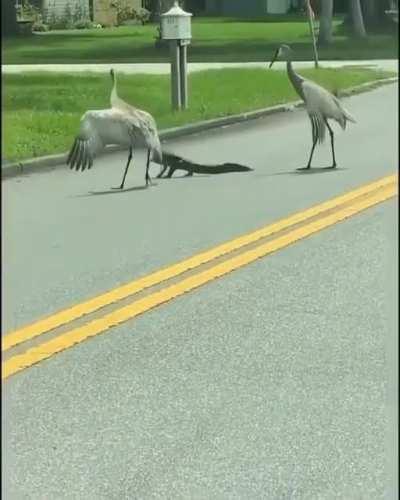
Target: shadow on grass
x=89 y=48
x=276 y=18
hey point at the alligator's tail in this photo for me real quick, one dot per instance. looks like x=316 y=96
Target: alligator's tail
x=222 y=168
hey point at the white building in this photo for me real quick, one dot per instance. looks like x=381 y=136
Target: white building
x=248 y=8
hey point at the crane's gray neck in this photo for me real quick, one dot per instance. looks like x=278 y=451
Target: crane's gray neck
x=114 y=94
x=296 y=79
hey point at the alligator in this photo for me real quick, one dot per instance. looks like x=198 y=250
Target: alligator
x=174 y=162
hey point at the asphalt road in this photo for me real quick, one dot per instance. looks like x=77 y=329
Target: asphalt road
x=70 y=237
x=273 y=382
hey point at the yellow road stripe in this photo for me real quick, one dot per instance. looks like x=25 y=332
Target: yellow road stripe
x=72 y=313
x=95 y=327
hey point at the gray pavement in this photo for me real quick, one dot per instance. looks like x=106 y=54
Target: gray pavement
x=269 y=383
x=86 y=239
x=164 y=68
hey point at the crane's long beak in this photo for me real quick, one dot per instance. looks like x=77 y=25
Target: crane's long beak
x=274 y=58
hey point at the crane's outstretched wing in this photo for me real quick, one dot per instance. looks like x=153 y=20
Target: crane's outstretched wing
x=80 y=155
x=87 y=143
x=97 y=128
x=112 y=126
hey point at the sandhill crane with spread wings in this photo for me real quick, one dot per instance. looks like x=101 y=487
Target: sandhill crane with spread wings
x=121 y=124
x=321 y=105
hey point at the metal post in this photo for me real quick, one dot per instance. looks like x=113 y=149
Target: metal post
x=175 y=75
x=183 y=75
x=311 y=25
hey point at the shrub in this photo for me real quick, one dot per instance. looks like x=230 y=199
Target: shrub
x=59 y=23
x=83 y=24
x=124 y=11
x=143 y=15
x=40 y=27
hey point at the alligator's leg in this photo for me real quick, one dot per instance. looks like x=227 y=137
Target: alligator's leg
x=170 y=172
x=163 y=169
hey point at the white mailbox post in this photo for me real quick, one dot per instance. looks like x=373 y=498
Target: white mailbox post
x=176 y=27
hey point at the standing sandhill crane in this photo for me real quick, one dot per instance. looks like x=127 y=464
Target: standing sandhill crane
x=121 y=124
x=320 y=104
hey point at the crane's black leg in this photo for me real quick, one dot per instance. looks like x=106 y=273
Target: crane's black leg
x=311 y=155
x=147 y=168
x=332 y=144
x=126 y=169
x=315 y=139
x=312 y=152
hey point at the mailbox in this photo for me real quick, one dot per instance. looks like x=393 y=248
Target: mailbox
x=176 y=28
x=176 y=24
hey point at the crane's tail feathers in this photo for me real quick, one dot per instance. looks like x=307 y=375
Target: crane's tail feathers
x=318 y=128
x=157 y=156
x=72 y=152
x=346 y=116
x=349 y=117
x=80 y=156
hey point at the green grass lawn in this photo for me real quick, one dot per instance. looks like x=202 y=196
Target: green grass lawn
x=41 y=112
x=214 y=40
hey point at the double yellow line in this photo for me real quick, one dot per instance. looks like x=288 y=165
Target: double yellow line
x=212 y=263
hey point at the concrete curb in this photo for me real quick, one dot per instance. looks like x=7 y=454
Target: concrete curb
x=46 y=163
